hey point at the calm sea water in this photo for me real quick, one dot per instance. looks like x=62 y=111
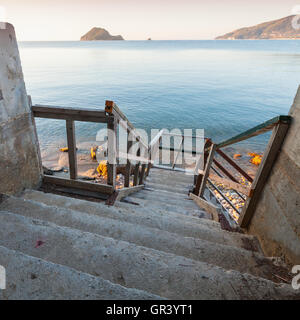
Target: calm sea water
x=224 y=87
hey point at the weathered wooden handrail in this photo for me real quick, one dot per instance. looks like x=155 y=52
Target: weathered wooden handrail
x=113 y=117
x=112 y=108
x=279 y=125
x=142 y=150
x=70 y=115
x=207 y=169
x=260 y=129
x=75 y=114
x=265 y=167
x=199 y=176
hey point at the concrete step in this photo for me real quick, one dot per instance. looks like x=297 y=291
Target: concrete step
x=138 y=214
x=160 y=196
x=164 y=175
x=183 y=207
x=182 y=184
x=198 y=216
x=221 y=255
x=166 y=275
x=30 y=278
x=184 y=228
x=169 y=194
x=171 y=187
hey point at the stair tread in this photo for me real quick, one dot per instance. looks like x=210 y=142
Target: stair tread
x=170 y=194
x=156 y=172
x=169 y=187
x=174 y=222
x=193 y=216
x=184 y=228
x=31 y=278
x=221 y=255
x=164 y=181
x=184 y=207
x=133 y=266
x=164 y=198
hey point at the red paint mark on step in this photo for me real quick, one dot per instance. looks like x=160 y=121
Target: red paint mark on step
x=39 y=243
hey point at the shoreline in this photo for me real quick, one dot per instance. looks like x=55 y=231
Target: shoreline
x=58 y=164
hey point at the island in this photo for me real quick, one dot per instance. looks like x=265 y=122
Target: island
x=276 y=29
x=99 y=34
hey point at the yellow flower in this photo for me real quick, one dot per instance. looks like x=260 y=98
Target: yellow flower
x=102 y=168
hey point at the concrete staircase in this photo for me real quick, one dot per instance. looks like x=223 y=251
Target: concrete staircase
x=155 y=244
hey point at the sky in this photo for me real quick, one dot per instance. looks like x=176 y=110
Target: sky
x=59 y=20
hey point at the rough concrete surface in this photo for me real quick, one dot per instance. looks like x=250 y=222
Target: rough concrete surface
x=187 y=229
x=228 y=257
x=29 y=278
x=164 y=274
x=55 y=247
x=19 y=157
x=276 y=221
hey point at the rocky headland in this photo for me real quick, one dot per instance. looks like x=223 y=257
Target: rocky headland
x=99 y=34
x=285 y=28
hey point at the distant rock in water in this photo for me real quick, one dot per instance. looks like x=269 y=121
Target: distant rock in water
x=285 y=28
x=98 y=34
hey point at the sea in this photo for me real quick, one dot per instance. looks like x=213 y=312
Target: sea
x=224 y=87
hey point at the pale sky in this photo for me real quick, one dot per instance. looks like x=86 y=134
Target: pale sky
x=138 y=19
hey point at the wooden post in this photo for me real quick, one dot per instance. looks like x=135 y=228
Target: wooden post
x=137 y=168
x=198 y=178
x=112 y=152
x=177 y=155
x=149 y=161
x=117 y=130
x=153 y=148
x=142 y=175
x=128 y=166
x=206 y=171
x=109 y=106
x=72 y=149
x=264 y=170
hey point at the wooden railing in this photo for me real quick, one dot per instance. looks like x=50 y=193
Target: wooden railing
x=113 y=117
x=224 y=176
x=142 y=155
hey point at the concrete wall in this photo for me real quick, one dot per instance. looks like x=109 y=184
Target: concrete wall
x=276 y=221
x=20 y=165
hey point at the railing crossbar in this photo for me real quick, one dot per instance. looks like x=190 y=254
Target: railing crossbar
x=222 y=195
x=220 y=175
x=232 y=163
x=255 y=131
